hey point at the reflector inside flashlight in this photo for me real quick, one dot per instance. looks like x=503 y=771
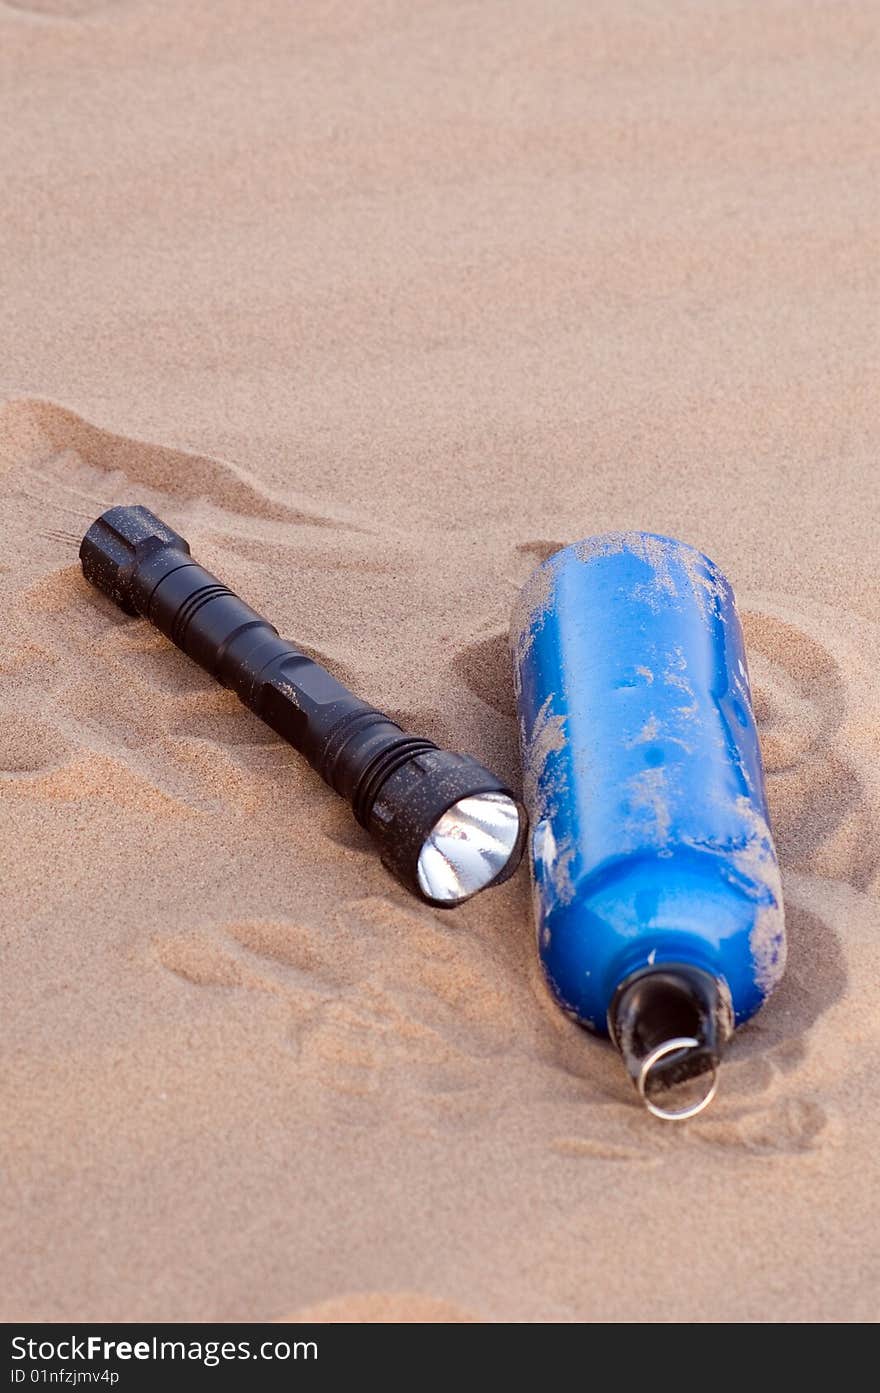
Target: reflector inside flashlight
x=469 y=847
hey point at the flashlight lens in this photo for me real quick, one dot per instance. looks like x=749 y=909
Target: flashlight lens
x=469 y=847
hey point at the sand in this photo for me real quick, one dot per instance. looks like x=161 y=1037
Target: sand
x=380 y=304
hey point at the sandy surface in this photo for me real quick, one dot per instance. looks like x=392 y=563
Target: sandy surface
x=379 y=304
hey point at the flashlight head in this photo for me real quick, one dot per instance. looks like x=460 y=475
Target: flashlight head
x=448 y=828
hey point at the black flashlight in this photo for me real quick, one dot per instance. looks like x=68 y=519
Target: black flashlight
x=446 y=826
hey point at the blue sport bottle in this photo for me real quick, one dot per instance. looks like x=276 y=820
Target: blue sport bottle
x=656 y=885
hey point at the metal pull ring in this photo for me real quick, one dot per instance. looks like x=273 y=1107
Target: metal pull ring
x=681 y=1042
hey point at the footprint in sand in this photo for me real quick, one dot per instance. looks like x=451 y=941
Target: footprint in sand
x=819 y=808
x=790 y=1126
x=278 y=957
x=381 y=1002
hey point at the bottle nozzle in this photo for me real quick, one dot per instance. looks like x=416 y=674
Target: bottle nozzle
x=671 y=1024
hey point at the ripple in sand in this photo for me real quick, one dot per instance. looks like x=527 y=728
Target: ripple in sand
x=484 y=666
x=601 y=1149
x=60 y=9
x=74 y=462
x=376 y=1307
x=538 y=551
x=30 y=745
x=821 y=811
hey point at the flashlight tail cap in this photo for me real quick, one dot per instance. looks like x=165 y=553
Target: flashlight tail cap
x=115 y=546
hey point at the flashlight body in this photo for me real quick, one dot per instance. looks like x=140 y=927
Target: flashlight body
x=400 y=786
x=650 y=841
